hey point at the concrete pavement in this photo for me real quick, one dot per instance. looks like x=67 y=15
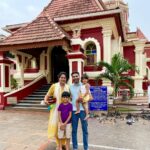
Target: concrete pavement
x=27 y=130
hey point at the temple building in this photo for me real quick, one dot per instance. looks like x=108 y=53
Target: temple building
x=70 y=35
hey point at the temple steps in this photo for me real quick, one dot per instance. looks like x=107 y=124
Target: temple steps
x=137 y=101
x=33 y=101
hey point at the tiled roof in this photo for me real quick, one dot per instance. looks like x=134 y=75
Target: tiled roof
x=140 y=34
x=14 y=27
x=41 y=29
x=60 y=8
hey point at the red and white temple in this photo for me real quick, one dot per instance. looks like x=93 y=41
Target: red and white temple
x=70 y=35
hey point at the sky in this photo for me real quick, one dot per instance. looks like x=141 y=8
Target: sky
x=20 y=11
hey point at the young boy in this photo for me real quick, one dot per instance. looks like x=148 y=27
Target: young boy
x=85 y=94
x=65 y=114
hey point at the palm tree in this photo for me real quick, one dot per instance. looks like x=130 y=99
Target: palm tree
x=115 y=73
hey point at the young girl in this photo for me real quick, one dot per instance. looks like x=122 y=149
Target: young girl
x=64 y=116
x=85 y=94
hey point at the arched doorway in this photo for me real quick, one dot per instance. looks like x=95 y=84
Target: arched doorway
x=59 y=62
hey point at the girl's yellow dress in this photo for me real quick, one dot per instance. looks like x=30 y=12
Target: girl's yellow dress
x=55 y=91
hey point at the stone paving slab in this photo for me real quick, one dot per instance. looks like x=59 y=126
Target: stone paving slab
x=23 y=130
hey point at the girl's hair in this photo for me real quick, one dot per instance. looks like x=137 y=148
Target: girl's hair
x=65 y=94
x=84 y=77
x=62 y=73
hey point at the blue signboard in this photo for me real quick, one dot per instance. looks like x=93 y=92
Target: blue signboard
x=99 y=101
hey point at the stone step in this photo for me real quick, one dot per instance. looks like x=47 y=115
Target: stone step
x=37 y=95
x=30 y=105
x=43 y=93
x=132 y=102
x=27 y=108
x=34 y=98
x=30 y=101
x=33 y=101
x=41 y=90
x=139 y=98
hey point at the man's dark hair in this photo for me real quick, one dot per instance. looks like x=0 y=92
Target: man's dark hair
x=65 y=94
x=74 y=73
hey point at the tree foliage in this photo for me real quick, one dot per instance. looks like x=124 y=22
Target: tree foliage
x=117 y=73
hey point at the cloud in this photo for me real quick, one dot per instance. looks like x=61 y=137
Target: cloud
x=31 y=9
x=4 y=5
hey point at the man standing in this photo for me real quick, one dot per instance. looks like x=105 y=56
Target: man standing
x=75 y=89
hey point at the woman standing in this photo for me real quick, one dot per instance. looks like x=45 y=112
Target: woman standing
x=55 y=91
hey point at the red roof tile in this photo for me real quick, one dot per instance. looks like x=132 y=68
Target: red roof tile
x=60 y=8
x=41 y=29
x=140 y=34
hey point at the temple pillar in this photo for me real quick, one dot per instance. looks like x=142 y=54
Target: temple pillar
x=138 y=79
x=76 y=61
x=107 y=34
x=20 y=70
x=5 y=80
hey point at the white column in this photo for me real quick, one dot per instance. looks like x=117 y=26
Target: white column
x=21 y=82
x=33 y=63
x=70 y=71
x=3 y=77
x=107 y=33
x=139 y=49
x=20 y=71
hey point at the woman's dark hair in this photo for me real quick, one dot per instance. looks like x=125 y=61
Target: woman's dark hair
x=85 y=76
x=62 y=73
x=65 y=94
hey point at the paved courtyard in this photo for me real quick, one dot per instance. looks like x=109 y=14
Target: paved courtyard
x=27 y=130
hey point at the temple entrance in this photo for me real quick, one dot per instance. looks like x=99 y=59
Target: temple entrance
x=59 y=62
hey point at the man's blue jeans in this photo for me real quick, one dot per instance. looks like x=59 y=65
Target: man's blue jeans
x=75 y=120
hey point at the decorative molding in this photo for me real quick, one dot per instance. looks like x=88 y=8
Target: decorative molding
x=76 y=31
x=139 y=45
x=106 y=22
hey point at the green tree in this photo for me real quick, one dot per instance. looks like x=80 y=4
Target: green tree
x=14 y=83
x=116 y=73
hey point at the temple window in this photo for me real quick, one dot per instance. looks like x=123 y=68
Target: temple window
x=91 y=53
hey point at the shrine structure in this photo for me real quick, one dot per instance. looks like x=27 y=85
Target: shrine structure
x=70 y=35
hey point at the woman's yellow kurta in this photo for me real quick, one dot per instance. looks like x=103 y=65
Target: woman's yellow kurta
x=55 y=90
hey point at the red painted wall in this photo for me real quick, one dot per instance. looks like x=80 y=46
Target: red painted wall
x=0 y=77
x=74 y=66
x=94 y=33
x=94 y=83
x=148 y=64
x=92 y=68
x=129 y=54
x=147 y=51
x=31 y=70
